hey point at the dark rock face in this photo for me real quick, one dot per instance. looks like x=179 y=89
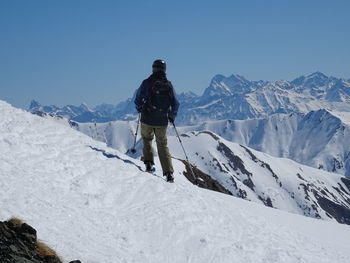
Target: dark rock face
x=203 y=180
x=346 y=181
x=18 y=243
x=340 y=213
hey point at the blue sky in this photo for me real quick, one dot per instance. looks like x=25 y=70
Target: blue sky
x=73 y=51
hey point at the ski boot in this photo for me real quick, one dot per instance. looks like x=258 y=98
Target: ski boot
x=149 y=167
x=169 y=177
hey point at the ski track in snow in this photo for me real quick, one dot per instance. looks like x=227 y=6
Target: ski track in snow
x=98 y=209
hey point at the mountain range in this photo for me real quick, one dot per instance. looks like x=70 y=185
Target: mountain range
x=306 y=120
x=232 y=97
x=320 y=139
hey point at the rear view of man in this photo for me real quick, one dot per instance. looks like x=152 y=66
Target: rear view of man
x=157 y=103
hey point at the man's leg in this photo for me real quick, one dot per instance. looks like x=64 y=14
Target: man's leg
x=147 y=134
x=163 y=150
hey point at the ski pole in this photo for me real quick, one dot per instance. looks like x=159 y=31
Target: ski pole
x=189 y=164
x=133 y=150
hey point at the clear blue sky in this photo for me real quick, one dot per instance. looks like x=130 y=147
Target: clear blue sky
x=73 y=51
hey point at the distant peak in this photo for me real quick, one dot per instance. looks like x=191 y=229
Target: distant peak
x=218 y=78
x=34 y=104
x=313 y=80
x=230 y=81
x=317 y=74
x=232 y=77
x=237 y=77
x=85 y=107
x=188 y=94
x=84 y=104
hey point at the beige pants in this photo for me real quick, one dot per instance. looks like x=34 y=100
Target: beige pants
x=147 y=133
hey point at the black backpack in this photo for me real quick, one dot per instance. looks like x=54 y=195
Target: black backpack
x=160 y=96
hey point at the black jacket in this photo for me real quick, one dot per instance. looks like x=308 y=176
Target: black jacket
x=149 y=117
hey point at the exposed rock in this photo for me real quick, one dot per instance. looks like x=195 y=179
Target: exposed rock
x=340 y=213
x=19 y=244
x=203 y=180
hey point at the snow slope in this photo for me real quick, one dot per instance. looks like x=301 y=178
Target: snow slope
x=276 y=182
x=101 y=208
x=118 y=134
x=302 y=190
x=320 y=139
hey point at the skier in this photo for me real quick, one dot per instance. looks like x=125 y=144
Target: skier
x=157 y=103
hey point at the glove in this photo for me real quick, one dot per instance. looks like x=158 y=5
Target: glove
x=171 y=117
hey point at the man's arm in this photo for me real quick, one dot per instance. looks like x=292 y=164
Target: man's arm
x=141 y=96
x=174 y=102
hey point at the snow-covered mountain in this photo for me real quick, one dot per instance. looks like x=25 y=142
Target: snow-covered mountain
x=82 y=113
x=233 y=97
x=320 y=139
x=93 y=202
x=302 y=189
x=275 y=182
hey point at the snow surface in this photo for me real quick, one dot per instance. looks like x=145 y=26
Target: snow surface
x=100 y=209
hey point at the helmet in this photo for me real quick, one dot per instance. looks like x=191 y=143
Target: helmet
x=159 y=65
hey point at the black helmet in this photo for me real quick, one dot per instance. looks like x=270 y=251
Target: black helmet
x=159 y=65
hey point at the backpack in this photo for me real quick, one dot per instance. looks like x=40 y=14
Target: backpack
x=160 y=96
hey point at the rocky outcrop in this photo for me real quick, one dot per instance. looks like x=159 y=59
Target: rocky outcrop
x=19 y=243
x=202 y=179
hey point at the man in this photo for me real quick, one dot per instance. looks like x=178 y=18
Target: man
x=157 y=103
